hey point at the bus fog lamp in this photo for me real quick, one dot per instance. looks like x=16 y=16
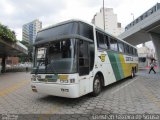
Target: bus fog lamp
x=34 y=88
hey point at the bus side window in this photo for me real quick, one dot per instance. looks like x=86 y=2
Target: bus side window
x=121 y=47
x=126 y=49
x=135 y=52
x=130 y=50
x=106 y=40
x=113 y=44
x=100 y=40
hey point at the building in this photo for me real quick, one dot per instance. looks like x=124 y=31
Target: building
x=12 y=61
x=30 y=30
x=145 y=54
x=112 y=25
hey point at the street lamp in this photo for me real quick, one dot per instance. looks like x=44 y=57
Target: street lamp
x=133 y=16
x=103 y=16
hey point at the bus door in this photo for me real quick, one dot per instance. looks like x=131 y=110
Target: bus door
x=83 y=66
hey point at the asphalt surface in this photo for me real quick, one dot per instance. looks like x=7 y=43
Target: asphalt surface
x=140 y=95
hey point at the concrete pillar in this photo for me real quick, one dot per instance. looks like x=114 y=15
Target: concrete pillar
x=3 y=64
x=156 y=41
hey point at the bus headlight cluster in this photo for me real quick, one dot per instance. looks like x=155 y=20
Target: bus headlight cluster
x=63 y=78
x=33 y=78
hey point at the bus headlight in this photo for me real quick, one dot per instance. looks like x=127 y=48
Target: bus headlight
x=63 y=78
x=34 y=88
x=72 y=80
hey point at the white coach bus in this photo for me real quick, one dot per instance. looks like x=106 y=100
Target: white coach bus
x=74 y=58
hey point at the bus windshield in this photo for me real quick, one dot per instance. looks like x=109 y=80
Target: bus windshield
x=56 y=57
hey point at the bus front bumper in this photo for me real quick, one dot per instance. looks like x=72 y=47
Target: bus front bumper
x=62 y=90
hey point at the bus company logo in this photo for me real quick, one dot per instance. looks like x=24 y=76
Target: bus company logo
x=102 y=57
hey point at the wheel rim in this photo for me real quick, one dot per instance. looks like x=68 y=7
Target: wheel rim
x=97 y=86
x=132 y=74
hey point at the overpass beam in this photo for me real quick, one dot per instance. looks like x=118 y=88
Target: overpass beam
x=156 y=41
x=3 y=64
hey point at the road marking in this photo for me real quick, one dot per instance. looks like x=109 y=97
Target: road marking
x=118 y=89
x=146 y=92
x=13 y=88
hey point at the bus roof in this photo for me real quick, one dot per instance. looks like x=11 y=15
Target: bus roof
x=78 y=20
x=64 y=22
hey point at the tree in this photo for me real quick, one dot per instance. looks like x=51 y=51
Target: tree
x=28 y=57
x=7 y=34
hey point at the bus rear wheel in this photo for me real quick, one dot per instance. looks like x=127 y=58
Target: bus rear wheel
x=132 y=73
x=97 y=86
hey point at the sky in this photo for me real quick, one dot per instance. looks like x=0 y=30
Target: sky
x=15 y=13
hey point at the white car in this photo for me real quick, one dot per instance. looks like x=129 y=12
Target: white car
x=8 y=66
x=21 y=65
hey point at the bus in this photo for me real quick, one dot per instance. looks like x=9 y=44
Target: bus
x=74 y=58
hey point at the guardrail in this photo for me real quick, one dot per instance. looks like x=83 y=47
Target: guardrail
x=143 y=16
x=18 y=69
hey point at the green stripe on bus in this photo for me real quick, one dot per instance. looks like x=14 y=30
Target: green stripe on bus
x=121 y=72
x=114 y=64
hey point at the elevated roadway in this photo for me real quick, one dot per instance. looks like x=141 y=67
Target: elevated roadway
x=10 y=49
x=145 y=28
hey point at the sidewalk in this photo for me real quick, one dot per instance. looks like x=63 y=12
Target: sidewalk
x=11 y=78
x=144 y=73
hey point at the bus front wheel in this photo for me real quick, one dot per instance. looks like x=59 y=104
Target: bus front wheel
x=97 y=86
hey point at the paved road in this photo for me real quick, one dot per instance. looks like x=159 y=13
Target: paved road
x=138 y=95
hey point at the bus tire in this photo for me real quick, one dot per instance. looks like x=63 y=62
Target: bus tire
x=133 y=73
x=135 y=70
x=97 y=86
